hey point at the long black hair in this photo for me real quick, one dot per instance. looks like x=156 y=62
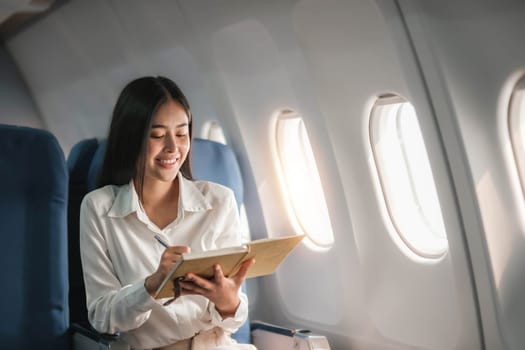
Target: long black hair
x=125 y=155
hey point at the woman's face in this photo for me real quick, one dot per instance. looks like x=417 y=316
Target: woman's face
x=168 y=143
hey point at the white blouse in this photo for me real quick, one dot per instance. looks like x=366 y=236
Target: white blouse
x=118 y=252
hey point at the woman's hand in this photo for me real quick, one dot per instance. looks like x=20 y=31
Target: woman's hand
x=222 y=291
x=167 y=260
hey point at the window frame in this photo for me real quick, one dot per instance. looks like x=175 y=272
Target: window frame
x=207 y=130
x=516 y=128
x=294 y=214
x=437 y=251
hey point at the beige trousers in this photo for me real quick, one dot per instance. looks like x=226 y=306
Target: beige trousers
x=212 y=339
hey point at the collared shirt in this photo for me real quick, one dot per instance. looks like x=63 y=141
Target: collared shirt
x=118 y=252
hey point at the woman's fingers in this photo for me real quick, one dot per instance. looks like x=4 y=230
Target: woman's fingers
x=221 y=290
x=179 y=249
x=219 y=275
x=241 y=274
x=174 y=252
x=203 y=286
x=170 y=257
x=197 y=284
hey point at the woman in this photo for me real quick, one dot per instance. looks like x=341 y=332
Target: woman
x=147 y=192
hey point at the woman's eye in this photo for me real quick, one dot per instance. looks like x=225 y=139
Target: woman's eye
x=155 y=136
x=181 y=135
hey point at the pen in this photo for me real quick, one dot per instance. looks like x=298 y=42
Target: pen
x=161 y=241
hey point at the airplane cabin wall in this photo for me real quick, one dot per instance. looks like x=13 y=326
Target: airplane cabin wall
x=77 y=59
x=472 y=56
x=18 y=107
x=327 y=61
x=241 y=62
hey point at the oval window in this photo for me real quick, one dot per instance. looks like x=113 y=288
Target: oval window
x=211 y=130
x=301 y=183
x=406 y=178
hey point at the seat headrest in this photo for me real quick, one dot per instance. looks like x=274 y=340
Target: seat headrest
x=216 y=162
x=96 y=166
x=29 y=157
x=79 y=160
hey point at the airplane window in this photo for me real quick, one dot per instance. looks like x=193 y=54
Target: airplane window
x=211 y=130
x=517 y=127
x=406 y=178
x=300 y=180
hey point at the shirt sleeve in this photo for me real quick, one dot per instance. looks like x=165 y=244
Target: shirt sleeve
x=111 y=307
x=230 y=324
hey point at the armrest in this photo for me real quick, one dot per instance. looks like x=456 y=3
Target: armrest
x=266 y=336
x=86 y=338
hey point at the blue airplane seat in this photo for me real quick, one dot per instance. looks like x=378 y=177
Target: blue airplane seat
x=78 y=162
x=33 y=234
x=96 y=166
x=216 y=162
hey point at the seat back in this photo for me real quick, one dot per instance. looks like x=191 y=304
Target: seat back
x=95 y=167
x=216 y=162
x=85 y=164
x=33 y=207
x=78 y=162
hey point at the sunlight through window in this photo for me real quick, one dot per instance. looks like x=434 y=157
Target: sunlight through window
x=211 y=130
x=406 y=177
x=301 y=181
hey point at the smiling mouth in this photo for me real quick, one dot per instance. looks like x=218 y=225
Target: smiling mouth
x=167 y=161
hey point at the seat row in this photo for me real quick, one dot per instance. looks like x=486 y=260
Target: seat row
x=40 y=196
x=42 y=297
